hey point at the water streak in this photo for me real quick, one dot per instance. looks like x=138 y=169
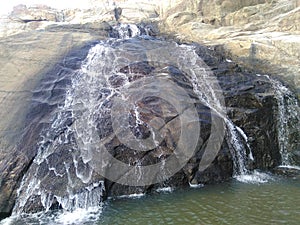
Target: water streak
x=288 y=122
x=215 y=101
x=239 y=153
x=237 y=148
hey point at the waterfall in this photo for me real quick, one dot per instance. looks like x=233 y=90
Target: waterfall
x=73 y=132
x=67 y=149
x=288 y=122
x=202 y=80
x=213 y=98
x=124 y=31
x=245 y=137
x=238 y=152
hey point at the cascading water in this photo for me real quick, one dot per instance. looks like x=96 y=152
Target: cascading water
x=288 y=123
x=244 y=174
x=216 y=103
x=244 y=136
x=239 y=151
x=66 y=151
x=72 y=129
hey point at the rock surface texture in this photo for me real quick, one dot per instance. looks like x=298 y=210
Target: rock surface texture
x=41 y=47
x=65 y=169
x=260 y=34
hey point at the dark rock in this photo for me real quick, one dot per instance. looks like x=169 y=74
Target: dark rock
x=64 y=171
x=46 y=97
x=117 y=12
x=251 y=105
x=287 y=171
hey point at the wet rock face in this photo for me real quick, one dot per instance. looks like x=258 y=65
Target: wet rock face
x=45 y=99
x=70 y=163
x=66 y=146
x=159 y=109
x=251 y=105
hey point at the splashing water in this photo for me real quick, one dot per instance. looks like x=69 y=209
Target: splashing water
x=239 y=154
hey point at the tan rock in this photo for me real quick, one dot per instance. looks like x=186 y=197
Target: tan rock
x=24 y=59
x=36 y=13
x=262 y=35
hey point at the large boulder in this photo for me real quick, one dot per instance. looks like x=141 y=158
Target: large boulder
x=74 y=116
x=38 y=67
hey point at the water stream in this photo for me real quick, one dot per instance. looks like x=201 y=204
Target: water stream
x=288 y=123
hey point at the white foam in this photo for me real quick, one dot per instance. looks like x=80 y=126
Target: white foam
x=196 y=185
x=165 y=189
x=254 y=178
x=78 y=216
x=290 y=167
x=7 y=221
x=62 y=217
x=135 y=195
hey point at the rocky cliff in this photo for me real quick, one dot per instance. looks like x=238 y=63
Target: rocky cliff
x=40 y=45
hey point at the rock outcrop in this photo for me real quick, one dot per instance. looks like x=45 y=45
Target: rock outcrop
x=25 y=59
x=260 y=34
x=40 y=46
x=37 y=13
x=60 y=172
